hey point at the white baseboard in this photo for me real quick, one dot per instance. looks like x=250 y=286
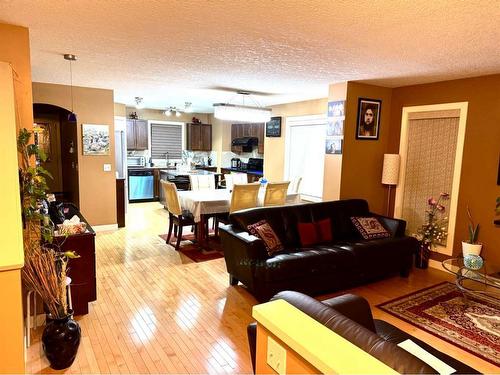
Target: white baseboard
x=104 y=228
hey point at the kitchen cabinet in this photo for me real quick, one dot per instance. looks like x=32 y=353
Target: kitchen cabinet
x=199 y=137
x=137 y=134
x=248 y=130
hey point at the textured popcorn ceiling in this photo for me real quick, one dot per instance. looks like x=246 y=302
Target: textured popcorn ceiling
x=170 y=52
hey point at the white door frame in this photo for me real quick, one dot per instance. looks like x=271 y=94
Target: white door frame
x=299 y=121
x=403 y=150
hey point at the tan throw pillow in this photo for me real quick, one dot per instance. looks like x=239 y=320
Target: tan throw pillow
x=370 y=228
x=263 y=230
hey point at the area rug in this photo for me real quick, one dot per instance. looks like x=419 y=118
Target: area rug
x=441 y=310
x=195 y=252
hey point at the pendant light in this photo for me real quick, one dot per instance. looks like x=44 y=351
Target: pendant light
x=70 y=57
x=235 y=112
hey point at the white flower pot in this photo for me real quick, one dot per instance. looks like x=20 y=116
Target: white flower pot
x=471 y=248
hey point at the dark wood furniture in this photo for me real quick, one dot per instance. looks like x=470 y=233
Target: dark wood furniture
x=82 y=271
x=198 y=137
x=120 y=202
x=248 y=130
x=137 y=134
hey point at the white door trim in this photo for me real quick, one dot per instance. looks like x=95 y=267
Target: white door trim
x=403 y=149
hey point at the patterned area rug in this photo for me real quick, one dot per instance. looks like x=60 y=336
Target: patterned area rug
x=442 y=311
x=193 y=251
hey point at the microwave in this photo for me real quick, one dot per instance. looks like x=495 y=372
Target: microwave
x=136 y=161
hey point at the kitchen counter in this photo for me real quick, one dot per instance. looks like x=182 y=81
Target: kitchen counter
x=149 y=168
x=238 y=170
x=177 y=173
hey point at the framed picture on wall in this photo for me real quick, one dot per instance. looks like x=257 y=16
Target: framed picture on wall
x=273 y=127
x=95 y=139
x=368 y=123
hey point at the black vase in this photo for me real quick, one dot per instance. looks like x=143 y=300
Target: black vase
x=422 y=256
x=61 y=339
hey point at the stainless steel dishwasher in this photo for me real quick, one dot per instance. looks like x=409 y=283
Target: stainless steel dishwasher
x=140 y=185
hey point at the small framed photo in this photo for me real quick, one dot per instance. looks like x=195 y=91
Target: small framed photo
x=336 y=109
x=273 y=127
x=335 y=126
x=368 y=123
x=333 y=145
x=95 y=139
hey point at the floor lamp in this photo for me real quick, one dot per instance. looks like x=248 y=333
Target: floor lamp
x=390 y=174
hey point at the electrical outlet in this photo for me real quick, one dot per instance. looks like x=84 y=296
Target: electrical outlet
x=107 y=167
x=276 y=356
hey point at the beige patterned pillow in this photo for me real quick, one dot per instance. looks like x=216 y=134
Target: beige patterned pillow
x=370 y=228
x=263 y=230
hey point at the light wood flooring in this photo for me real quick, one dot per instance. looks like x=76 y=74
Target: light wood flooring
x=158 y=312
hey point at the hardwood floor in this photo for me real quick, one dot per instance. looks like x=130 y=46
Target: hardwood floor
x=158 y=312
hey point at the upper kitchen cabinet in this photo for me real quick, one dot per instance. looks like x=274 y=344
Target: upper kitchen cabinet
x=248 y=130
x=199 y=137
x=137 y=134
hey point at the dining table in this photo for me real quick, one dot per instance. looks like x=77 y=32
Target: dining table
x=210 y=202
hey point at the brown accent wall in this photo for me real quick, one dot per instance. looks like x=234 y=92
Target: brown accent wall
x=478 y=188
x=15 y=49
x=92 y=106
x=362 y=159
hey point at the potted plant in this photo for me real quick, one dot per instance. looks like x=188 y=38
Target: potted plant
x=433 y=232
x=471 y=246
x=45 y=266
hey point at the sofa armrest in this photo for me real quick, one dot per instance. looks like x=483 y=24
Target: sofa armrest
x=354 y=307
x=235 y=239
x=396 y=226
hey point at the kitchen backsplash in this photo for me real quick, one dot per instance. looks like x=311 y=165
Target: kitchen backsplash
x=244 y=156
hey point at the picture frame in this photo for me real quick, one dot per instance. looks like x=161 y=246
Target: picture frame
x=334 y=145
x=273 y=127
x=95 y=139
x=368 y=121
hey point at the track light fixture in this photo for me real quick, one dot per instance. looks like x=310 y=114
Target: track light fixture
x=139 y=102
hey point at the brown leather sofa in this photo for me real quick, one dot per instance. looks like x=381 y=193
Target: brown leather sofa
x=350 y=317
x=347 y=261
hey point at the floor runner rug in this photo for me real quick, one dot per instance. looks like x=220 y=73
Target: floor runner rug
x=193 y=251
x=472 y=325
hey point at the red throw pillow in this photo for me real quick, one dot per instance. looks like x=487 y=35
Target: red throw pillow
x=324 y=229
x=308 y=234
x=370 y=228
x=263 y=230
x=315 y=233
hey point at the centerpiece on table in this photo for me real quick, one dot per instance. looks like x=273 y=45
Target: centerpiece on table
x=433 y=232
x=45 y=265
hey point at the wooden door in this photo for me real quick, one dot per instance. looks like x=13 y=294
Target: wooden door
x=130 y=135
x=260 y=135
x=141 y=135
x=69 y=161
x=194 y=137
x=206 y=137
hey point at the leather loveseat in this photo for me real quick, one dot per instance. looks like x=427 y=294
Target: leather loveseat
x=350 y=317
x=347 y=261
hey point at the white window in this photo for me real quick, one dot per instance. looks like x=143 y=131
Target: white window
x=305 y=153
x=166 y=137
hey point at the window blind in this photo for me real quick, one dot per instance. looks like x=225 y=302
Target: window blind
x=166 y=138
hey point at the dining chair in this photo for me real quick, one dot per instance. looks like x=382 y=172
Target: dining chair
x=235 y=178
x=202 y=182
x=177 y=218
x=295 y=185
x=276 y=193
x=244 y=196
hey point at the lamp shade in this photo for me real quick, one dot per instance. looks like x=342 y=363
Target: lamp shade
x=390 y=170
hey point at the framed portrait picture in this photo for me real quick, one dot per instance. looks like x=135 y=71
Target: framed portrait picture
x=273 y=127
x=95 y=139
x=368 y=123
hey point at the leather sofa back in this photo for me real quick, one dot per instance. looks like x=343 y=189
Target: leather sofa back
x=284 y=219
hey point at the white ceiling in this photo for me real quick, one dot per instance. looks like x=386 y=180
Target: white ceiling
x=171 y=51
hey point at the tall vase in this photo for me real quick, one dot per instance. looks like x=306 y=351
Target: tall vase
x=422 y=256
x=61 y=339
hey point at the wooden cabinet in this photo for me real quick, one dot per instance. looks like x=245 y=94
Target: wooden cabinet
x=137 y=134
x=199 y=137
x=248 y=130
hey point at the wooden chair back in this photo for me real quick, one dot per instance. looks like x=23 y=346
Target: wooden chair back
x=276 y=193
x=171 y=197
x=244 y=196
x=202 y=182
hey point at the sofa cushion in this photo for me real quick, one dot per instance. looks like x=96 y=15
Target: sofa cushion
x=265 y=232
x=370 y=228
x=318 y=232
x=304 y=262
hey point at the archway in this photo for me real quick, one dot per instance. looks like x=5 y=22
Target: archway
x=57 y=136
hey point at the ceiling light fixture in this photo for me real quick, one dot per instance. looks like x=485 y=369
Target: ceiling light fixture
x=171 y=110
x=234 y=112
x=188 y=108
x=70 y=57
x=139 y=102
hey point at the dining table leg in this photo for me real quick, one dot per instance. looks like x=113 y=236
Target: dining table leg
x=202 y=237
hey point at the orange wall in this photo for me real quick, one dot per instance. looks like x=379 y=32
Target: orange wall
x=362 y=159
x=478 y=188
x=92 y=106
